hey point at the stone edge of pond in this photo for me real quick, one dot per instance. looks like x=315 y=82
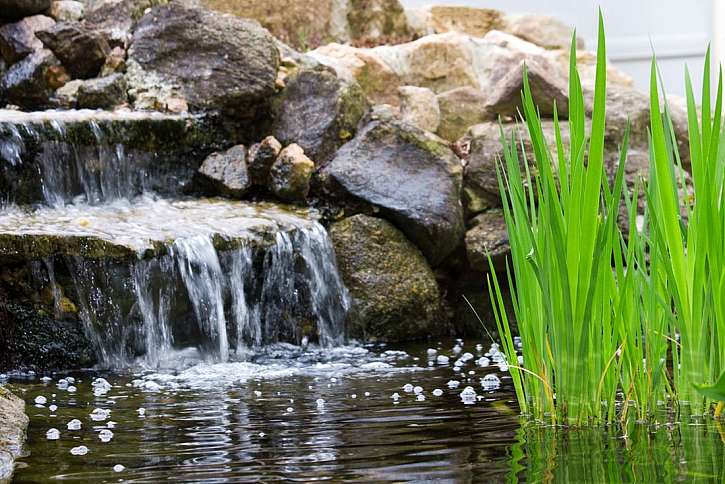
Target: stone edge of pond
x=13 y=431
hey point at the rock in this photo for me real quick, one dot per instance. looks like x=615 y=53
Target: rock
x=488 y=235
x=30 y=82
x=542 y=30
x=377 y=80
x=460 y=109
x=13 y=427
x=480 y=182
x=81 y=50
x=117 y=18
x=411 y=176
x=17 y=9
x=549 y=88
x=232 y=67
x=260 y=158
x=290 y=175
x=475 y=22
x=419 y=107
x=376 y=22
x=395 y=296
x=225 y=173
x=317 y=111
x=18 y=40
x=115 y=62
x=103 y=92
x=306 y=25
x=66 y=10
x=66 y=96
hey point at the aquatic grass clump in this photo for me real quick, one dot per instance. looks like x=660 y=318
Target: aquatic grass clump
x=585 y=312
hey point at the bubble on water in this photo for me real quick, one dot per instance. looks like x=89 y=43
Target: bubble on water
x=503 y=366
x=80 y=450
x=367 y=394
x=262 y=434
x=483 y=361
x=417 y=390
x=52 y=434
x=72 y=389
x=333 y=379
x=395 y=396
x=70 y=379
x=437 y=392
x=457 y=349
x=320 y=402
x=111 y=424
x=432 y=352
x=353 y=395
x=100 y=385
x=141 y=412
x=290 y=409
x=407 y=388
x=74 y=424
x=442 y=359
x=479 y=347
x=420 y=397
x=105 y=435
x=62 y=384
x=466 y=357
x=100 y=414
x=453 y=383
x=468 y=396
x=471 y=372
x=257 y=393
x=520 y=359
x=46 y=379
x=53 y=408
x=118 y=468
x=490 y=382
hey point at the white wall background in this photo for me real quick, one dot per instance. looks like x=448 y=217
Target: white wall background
x=679 y=30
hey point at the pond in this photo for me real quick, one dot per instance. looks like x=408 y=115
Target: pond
x=305 y=414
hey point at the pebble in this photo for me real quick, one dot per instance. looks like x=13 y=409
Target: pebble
x=52 y=434
x=118 y=468
x=80 y=450
x=74 y=424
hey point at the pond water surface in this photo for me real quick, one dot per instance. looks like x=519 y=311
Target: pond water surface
x=293 y=414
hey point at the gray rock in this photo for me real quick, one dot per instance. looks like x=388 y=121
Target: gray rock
x=18 y=40
x=395 y=296
x=13 y=428
x=460 y=109
x=290 y=175
x=225 y=173
x=116 y=19
x=543 y=30
x=419 y=107
x=488 y=235
x=67 y=95
x=103 y=92
x=260 y=158
x=66 y=10
x=81 y=50
x=318 y=111
x=412 y=176
x=548 y=88
x=31 y=82
x=232 y=65
x=17 y=9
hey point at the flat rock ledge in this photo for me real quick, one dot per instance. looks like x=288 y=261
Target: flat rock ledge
x=13 y=427
x=144 y=228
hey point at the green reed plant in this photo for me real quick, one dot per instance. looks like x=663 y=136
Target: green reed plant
x=588 y=318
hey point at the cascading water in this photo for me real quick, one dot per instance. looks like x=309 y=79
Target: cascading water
x=149 y=275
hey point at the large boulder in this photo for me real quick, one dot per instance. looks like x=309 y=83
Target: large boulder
x=395 y=296
x=306 y=25
x=225 y=173
x=31 y=82
x=460 y=109
x=18 y=40
x=317 y=111
x=209 y=60
x=13 y=427
x=102 y=93
x=411 y=176
x=17 y=9
x=81 y=50
x=542 y=30
x=487 y=236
